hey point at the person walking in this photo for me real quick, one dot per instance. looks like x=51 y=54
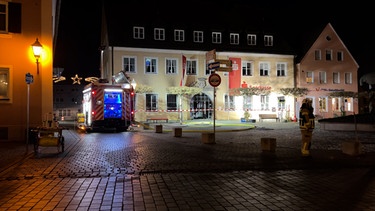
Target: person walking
x=306 y=125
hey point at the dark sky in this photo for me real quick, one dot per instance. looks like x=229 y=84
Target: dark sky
x=78 y=40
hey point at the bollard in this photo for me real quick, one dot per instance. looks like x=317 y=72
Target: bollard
x=158 y=128
x=268 y=144
x=208 y=138
x=353 y=148
x=177 y=131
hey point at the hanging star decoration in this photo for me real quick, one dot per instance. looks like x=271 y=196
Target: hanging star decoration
x=57 y=79
x=91 y=79
x=76 y=79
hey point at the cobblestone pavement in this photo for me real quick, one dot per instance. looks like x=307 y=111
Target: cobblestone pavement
x=144 y=170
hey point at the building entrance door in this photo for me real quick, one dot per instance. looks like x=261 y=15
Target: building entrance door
x=200 y=107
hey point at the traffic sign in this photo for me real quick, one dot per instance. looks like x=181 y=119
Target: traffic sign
x=228 y=63
x=29 y=78
x=214 y=80
x=211 y=56
x=213 y=65
x=224 y=69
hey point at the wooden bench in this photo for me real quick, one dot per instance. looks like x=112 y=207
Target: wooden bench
x=157 y=118
x=268 y=116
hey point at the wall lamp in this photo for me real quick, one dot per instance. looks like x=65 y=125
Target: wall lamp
x=133 y=83
x=37 y=50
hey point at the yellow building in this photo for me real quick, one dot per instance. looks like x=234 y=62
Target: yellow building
x=23 y=105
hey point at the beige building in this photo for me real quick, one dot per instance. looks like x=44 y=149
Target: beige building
x=329 y=72
x=200 y=106
x=160 y=52
x=22 y=104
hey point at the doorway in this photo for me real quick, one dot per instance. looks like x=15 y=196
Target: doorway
x=200 y=107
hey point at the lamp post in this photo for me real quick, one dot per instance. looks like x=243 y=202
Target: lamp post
x=134 y=84
x=37 y=50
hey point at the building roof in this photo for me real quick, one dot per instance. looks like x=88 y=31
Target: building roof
x=120 y=17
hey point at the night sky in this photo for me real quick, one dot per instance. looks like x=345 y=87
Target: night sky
x=78 y=40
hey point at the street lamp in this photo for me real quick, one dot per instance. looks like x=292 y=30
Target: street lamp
x=37 y=50
x=133 y=83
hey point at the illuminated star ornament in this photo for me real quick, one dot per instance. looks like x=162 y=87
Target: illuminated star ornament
x=57 y=79
x=91 y=79
x=76 y=79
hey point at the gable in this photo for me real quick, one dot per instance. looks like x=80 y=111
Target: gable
x=328 y=41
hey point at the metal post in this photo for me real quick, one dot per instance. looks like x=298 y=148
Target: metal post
x=214 y=113
x=27 y=118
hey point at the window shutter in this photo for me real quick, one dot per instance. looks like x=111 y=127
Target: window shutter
x=14 y=24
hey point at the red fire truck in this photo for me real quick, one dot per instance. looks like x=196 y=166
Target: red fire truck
x=107 y=107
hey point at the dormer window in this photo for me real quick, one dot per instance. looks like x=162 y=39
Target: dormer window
x=216 y=37
x=198 y=36
x=234 y=39
x=268 y=40
x=138 y=32
x=159 y=34
x=179 y=35
x=251 y=39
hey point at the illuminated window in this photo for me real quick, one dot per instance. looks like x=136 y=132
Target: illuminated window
x=340 y=56
x=247 y=68
x=348 y=78
x=170 y=66
x=151 y=102
x=129 y=64
x=247 y=102
x=4 y=84
x=281 y=69
x=229 y=102
x=318 y=55
x=323 y=104
x=328 y=55
x=264 y=102
x=151 y=65
x=336 y=78
x=309 y=77
x=264 y=69
x=322 y=77
x=172 y=102
x=191 y=67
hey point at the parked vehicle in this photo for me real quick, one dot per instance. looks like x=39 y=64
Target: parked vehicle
x=107 y=107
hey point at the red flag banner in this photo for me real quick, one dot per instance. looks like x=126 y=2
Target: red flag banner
x=235 y=74
x=182 y=81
